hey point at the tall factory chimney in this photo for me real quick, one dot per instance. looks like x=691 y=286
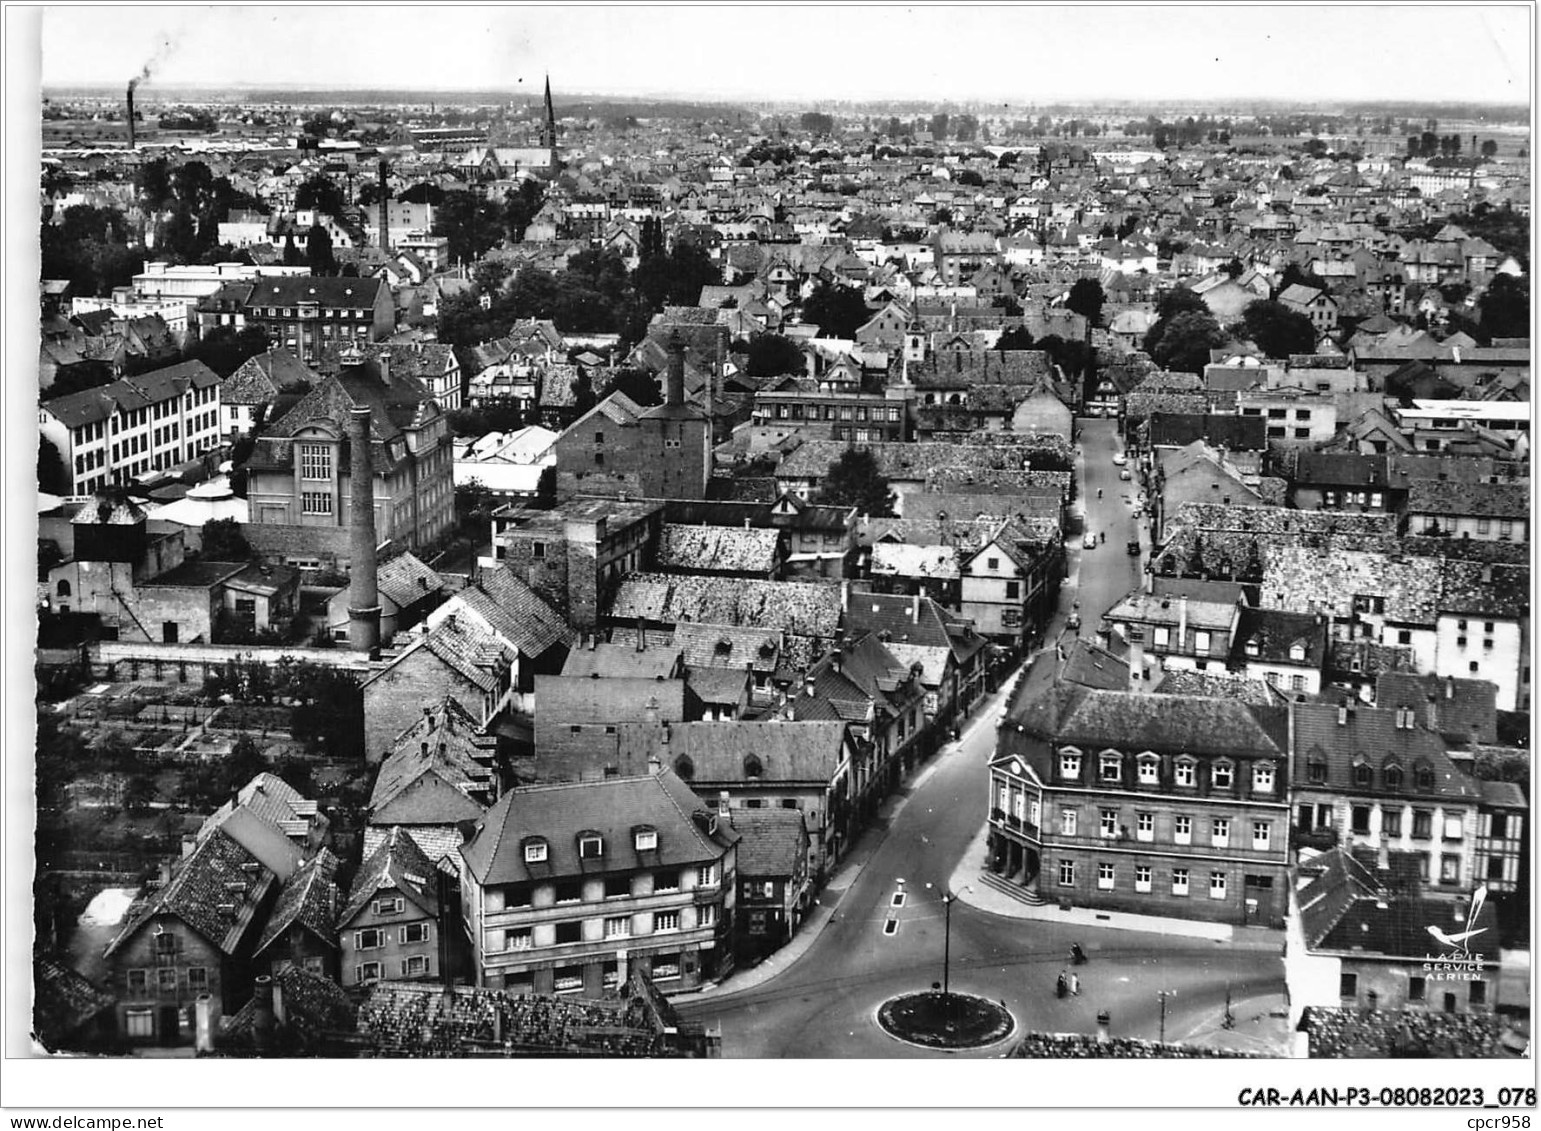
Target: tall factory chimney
x=363 y=587
x=131 y=115
x=674 y=393
x=385 y=212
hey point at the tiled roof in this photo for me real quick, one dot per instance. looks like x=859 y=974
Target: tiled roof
x=432 y=769
x=198 y=894
x=773 y=841
x=897 y=559
x=800 y=608
x=308 y=899
x=314 y=1006
x=1162 y=723
x=532 y=625
x=728 y=646
x=623 y=660
x=260 y=378
x=1217 y=685
x=1478 y=500
x=397 y=865
x=402 y=403
x=406 y=580
x=1274 y=632
x=1089 y=665
x=1466 y=709
x=718 y=548
x=329 y=291
x=615 y=809
x=63 y=1000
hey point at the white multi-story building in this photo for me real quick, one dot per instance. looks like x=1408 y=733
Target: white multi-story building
x=136 y=425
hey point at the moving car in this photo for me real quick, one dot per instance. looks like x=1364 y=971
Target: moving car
x=1089 y=542
x=1120 y=459
x=1124 y=474
x=1134 y=547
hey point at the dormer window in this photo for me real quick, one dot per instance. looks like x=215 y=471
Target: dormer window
x=753 y=768
x=1361 y=774
x=1110 y=766
x=1297 y=652
x=535 y=851
x=1222 y=775
x=591 y=846
x=1070 y=766
x=1316 y=770
x=1150 y=769
x=684 y=767
x=1184 y=771
x=645 y=840
x=1424 y=777
x=1252 y=648
x=1262 y=777
x=1393 y=776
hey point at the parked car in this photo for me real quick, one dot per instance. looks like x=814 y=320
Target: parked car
x=1089 y=542
x=1134 y=547
x=1124 y=474
x=1120 y=459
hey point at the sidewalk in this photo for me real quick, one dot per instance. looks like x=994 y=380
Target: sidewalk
x=987 y=898
x=846 y=873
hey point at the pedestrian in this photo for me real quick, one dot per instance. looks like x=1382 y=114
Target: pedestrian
x=1077 y=955
x=1099 y=492
x=1059 y=985
x=1075 y=984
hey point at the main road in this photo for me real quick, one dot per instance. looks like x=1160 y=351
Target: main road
x=823 y=1004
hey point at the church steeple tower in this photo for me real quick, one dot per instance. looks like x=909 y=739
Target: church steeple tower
x=550 y=128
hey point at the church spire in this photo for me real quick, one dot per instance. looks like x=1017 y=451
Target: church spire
x=551 y=127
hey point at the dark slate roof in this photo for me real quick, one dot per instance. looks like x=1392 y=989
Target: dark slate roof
x=332 y=291
x=1177 y=723
x=1466 y=709
x=308 y=899
x=397 y=865
x=128 y=393
x=1371 y=735
x=615 y=809
x=1341 y=469
x=718 y=753
x=1275 y=632
x=1233 y=432
x=773 y=841
x=1346 y=907
x=1089 y=665
x=197 y=892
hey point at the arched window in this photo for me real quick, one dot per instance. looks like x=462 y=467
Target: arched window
x=64 y=587
x=1393 y=775
x=684 y=767
x=1425 y=777
x=1362 y=774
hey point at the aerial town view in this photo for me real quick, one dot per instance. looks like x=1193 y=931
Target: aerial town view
x=550 y=570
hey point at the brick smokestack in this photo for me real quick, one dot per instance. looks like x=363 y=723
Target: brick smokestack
x=363 y=589
x=675 y=391
x=385 y=212
x=131 y=115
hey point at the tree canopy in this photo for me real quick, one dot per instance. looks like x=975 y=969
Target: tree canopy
x=1277 y=330
x=1183 y=341
x=854 y=481
x=1086 y=299
x=837 y=311
x=771 y=355
x=1505 y=307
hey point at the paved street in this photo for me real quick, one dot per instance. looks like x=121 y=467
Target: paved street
x=822 y=1001
x=1102 y=576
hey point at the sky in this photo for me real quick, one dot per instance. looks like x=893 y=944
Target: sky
x=796 y=52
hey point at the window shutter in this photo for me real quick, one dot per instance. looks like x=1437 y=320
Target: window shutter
x=403 y=935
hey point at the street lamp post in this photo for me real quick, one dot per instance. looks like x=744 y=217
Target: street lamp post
x=948 y=899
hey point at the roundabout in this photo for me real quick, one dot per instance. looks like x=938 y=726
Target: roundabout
x=937 y=1020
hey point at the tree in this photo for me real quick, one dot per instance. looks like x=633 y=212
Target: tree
x=1277 y=330
x=1505 y=307
x=321 y=194
x=1086 y=299
x=837 y=311
x=854 y=481
x=52 y=476
x=470 y=222
x=520 y=208
x=225 y=349
x=638 y=384
x=771 y=355
x=318 y=251
x=1016 y=338
x=1489 y=148
x=1185 y=340
x=224 y=542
